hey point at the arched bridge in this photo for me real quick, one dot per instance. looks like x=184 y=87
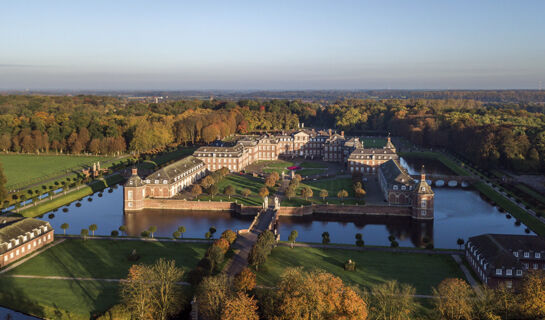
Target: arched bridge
x=437 y=180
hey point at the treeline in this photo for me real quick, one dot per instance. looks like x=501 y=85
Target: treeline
x=487 y=135
x=490 y=134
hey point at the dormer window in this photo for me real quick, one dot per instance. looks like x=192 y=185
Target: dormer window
x=516 y=254
x=526 y=254
x=423 y=189
x=538 y=255
x=499 y=272
x=395 y=187
x=9 y=245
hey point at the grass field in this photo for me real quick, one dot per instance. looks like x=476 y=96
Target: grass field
x=333 y=186
x=21 y=169
x=310 y=172
x=239 y=182
x=314 y=164
x=423 y=271
x=106 y=259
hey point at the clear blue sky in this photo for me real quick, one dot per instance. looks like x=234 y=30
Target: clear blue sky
x=277 y=44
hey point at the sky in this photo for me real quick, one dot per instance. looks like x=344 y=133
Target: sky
x=272 y=45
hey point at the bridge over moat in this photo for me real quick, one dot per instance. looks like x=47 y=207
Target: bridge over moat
x=437 y=180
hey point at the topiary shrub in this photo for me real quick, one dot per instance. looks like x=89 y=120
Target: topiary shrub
x=51 y=216
x=64 y=209
x=78 y=204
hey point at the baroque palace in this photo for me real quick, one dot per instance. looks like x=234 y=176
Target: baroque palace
x=398 y=187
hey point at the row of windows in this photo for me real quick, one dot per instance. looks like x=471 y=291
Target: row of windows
x=15 y=242
x=526 y=254
x=23 y=249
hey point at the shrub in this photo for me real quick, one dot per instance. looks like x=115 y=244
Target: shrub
x=229 y=235
x=350 y=265
x=133 y=256
x=223 y=244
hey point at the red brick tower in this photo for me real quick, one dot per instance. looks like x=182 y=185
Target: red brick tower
x=133 y=193
x=423 y=199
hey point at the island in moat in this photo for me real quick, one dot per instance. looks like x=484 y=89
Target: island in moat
x=402 y=195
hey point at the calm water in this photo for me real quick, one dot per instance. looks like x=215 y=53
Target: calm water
x=6 y=313
x=459 y=213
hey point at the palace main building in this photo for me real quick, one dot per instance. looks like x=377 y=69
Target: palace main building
x=398 y=187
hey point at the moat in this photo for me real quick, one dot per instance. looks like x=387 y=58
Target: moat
x=459 y=213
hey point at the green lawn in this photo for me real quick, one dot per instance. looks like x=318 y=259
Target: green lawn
x=423 y=271
x=333 y=186
x=107 y=258
x=241 y=182
x=276 y=164
x=58 y=299
x=24 y=169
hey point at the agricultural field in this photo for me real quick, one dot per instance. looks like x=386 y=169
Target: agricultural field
x=25 y=169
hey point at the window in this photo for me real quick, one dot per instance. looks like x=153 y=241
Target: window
x=526 y=254
x=17 y=242
x=25 y=238
x=538 y=255
x=526 y=266
x=509 y=284
x=45 y=228
x=516 y=254
x=423 y=212
x=5 y=258
x=395 y=187
x=423 y=203
x=536 y=266
x=129 y=194
x=498 y=272
x=508 y=272
x=519 y=272
x=9 y=245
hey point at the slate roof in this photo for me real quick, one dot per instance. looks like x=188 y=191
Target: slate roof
x=13 y=227
x=134 y=181
x=368 y=152
x=395 y=174
x=175 y=169
x=207 y=151
x=353 y=143
x=497 y=249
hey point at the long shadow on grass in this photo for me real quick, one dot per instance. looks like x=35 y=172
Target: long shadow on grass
x=13 y=297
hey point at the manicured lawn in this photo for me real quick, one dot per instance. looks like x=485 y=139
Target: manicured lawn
x=333 y=186
x=308 y=164
x=250 y=201
x=107 y=258
x=58 y=299
x=24 y=169
x=241 y=182
x=423 y=271
x=276 y=164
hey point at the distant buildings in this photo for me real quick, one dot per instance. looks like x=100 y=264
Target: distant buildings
x=22 y=236
x=504 y=258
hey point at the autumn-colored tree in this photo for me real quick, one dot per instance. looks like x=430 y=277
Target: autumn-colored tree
x=323 y=194
x=223 y=244
x=274 y=175
x=245 y=192
x=245 y=280
x=306 y=192
x=212 y=295
x=392 y=300
x=196 y=190
x=270 y=181
x=229 y=235
x=263 y=192
x=229 y=191
x=290 y=192
x=454 y=299
x=216 y=254
x=240 y=306
x=360 y=193
x=210 y=133
x=137 y=292
x=213 y=190
x=532 y=295
x=317 y=295
x=207 y=181
x=166 y=293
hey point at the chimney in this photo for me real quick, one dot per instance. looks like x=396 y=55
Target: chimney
x=302 y=125
x=329 y=131
x=422 y=173
x=134 y=171
x=342 y=133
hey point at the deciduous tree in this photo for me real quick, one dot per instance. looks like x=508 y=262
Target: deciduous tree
x=453 y=299
x=240 y=306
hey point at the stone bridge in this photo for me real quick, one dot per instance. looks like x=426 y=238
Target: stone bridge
x=437 y=180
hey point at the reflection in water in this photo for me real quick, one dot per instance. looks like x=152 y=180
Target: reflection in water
x=431 y=166
x=196 y=223
x=458 y=214
x=343 y=229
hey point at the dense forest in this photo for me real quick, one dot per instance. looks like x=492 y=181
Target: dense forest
x=509 y=134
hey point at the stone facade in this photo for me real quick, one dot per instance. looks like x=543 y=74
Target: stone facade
x=22 y=236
